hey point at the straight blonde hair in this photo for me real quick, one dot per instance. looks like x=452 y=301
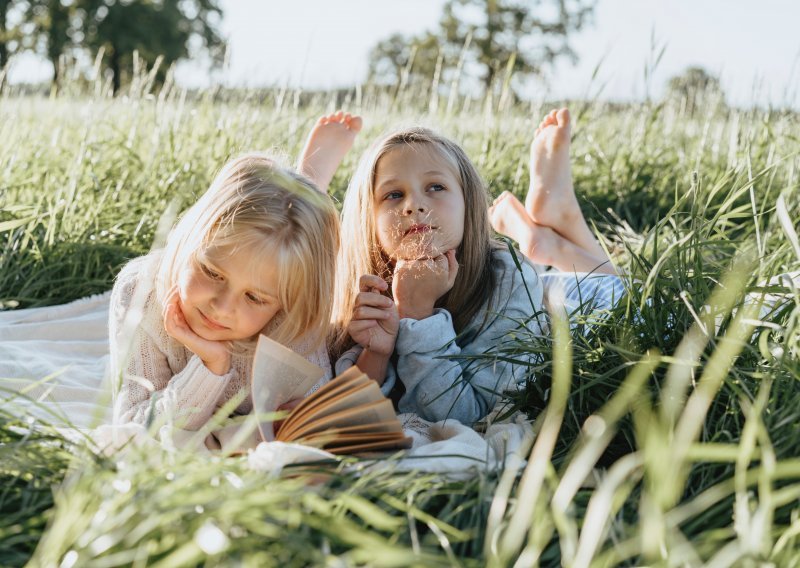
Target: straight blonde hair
x=255 y=202
x=361 y=252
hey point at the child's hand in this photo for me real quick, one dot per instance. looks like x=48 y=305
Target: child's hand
x=375 y=322
x=418 y=284
x=214 y=354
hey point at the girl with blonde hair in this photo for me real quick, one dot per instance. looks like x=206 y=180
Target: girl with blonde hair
x=256 y=254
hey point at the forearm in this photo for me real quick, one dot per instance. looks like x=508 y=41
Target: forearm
x=437 y=386
x=152 y=393
x=374 y=365
x=438 y=389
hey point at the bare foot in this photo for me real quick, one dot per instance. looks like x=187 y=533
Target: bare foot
x=508 y=217
x=551 y=198
x=543 y=245
x=328 y=142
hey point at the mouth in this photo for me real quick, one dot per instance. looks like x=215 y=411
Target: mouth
x=210 y=323
x=418 y=229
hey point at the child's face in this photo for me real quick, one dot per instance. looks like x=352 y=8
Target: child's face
x=419 y=203
x=229 y=296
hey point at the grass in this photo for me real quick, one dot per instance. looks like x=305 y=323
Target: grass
x=667 y=433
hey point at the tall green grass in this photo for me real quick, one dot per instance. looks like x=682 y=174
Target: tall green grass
x=667 y=432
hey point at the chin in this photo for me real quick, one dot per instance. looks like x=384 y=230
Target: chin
x=417 y=250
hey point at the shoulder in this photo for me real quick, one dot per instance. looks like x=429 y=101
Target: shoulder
x=135 y=287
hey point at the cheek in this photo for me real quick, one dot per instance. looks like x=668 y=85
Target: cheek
x=191 y=287
x=387 y=226
x=259 y=319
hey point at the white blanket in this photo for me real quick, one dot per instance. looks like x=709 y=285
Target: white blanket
x=57 y=357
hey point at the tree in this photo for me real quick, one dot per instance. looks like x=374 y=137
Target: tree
x=533 y=34
x=10 y=31
x=53 y=25
x=5 y=5
x=168 y=28
x=491 y=33
x=391 y=57
x=694 y=86
x=174 y=29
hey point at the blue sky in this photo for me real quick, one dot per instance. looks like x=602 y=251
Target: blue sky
x=753 y=46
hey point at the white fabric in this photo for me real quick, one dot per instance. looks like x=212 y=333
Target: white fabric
x=68 y=346
x=57 y=357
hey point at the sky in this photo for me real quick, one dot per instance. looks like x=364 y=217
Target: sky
x=753 y=47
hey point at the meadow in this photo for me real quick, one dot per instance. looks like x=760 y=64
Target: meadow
x=667 y=432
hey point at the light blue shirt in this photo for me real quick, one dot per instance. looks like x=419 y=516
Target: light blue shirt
x=438 y=369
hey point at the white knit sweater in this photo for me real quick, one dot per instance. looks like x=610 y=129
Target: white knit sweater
x=162 y=379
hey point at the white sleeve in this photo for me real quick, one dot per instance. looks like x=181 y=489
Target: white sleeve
x=149 y=388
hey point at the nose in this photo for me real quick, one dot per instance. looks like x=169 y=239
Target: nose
x=414 y=204
x=223 y=302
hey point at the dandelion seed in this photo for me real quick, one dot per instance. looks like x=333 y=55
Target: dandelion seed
x=170 y=476
x=122 y=485
x=234 y=480
x=211 y=539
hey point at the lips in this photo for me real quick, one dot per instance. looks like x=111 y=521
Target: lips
x=210 y=323
x=417 y=229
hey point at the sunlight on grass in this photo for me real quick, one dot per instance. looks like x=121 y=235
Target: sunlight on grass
x=665 y=432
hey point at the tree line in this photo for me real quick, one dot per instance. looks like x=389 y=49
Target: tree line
x=60 y=30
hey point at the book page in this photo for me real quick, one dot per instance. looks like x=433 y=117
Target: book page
x=392 y=426
x=359 y=396
x=339 y=386
x=279 y=375
x=375 y=412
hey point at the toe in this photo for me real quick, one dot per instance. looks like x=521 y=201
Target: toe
x=563 y=117
x=337 y=117
x=355 y=124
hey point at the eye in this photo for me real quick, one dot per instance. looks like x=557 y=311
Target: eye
x=253 y=299
x=396 y=194
x=437 y=187
x=210 y=273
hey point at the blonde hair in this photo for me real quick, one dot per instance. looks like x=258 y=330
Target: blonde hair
x=361 y=252
x=254 y=202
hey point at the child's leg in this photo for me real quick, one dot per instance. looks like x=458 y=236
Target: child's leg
x=551 y=199
x=541 y=244
x=328 y=142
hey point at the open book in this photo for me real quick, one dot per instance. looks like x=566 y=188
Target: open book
x=348 y=415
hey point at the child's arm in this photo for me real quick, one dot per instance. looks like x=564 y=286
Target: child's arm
x=374 y=327
x=438 y=387
x=150 y=390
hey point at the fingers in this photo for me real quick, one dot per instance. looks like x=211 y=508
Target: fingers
x=356 y=327
x=373 y=300
x=368 y=282
x=368 y=313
